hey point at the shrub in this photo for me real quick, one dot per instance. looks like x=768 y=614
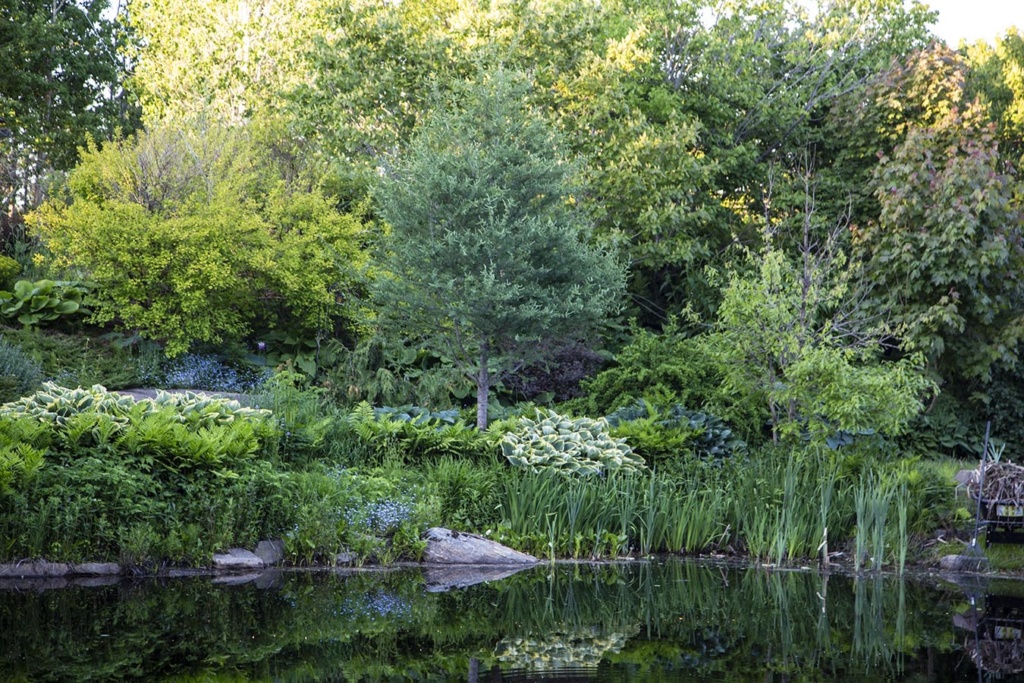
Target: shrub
x=412 y=435
x=56 y=404
x=467 y=491
x=84 y=361
x=9 y=269
x=19 y=373
x=214 y=246
x=663 y=368
x=568 y=445
x=661 y=434
x=558 y=377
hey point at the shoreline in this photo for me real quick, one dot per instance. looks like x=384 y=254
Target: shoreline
x=41 y=575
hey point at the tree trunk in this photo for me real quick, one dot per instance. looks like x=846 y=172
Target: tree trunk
x=483 y=387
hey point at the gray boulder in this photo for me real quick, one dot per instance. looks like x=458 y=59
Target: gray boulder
x=271 y=552
x=237 y=559
x=39 y=568
x=96 y=569
x=963 y=563
x=445 y=546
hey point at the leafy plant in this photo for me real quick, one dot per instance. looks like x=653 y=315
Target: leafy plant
x=57 y=404
x=217 y=245
x=9 y=269
x=568 y=445
x=659 y=434
x=44 y=300
x=19 y=373
x=77 y=360
x=412 y=434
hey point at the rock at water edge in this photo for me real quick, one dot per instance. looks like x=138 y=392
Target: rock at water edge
x=237 y=559
x=34 y=569
x=445 y=546
x=271 y=552
x=963 y=563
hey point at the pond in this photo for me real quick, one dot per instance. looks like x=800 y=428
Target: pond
x=643 y=621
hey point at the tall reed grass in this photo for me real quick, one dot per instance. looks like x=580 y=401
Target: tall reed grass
x=779 y=507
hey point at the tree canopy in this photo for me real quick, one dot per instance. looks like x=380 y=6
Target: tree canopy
x=487 y=253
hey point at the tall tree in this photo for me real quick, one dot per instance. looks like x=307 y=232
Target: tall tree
x=946 y=249
x=487 y=254
x=996 y=76
x=61 y=75
x=229 y=59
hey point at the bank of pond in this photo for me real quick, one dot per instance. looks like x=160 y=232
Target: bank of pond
x=88 y=476
x=630 y=621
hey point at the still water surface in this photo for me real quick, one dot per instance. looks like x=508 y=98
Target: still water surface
x=657 y=621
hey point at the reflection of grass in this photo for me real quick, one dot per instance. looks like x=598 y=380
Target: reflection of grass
x=379 y=626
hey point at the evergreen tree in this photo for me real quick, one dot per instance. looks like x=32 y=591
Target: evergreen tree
x=487 y=253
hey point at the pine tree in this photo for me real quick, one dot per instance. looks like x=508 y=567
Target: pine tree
x=487 y=254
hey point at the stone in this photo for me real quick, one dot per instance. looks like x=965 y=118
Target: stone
x=963 y=563
x=237 y=559
x=445 y=546
x=96 y=569
x=443 y=578
x=271 y=552
x=38 y=568
x=345 y=559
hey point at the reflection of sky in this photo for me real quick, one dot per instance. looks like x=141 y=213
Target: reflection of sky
x=972 y=20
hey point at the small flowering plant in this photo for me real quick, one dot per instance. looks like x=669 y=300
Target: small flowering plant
x=388 y=527
x=201 y=371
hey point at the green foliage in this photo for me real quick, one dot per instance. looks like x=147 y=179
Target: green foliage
x=792 y=332
x=187 y=61
x=583 y=446
x=63 y=82
x=412 y=435
x=9 y=269
x=486 y=255
x=80 y=360
x=467 y=491
x=384 y=370
x=994 y=76
x=18 y=462
x=42 y=301
x=665 y=369
x=19 y=373
x=660 y=435
x=945 y=249
x=57 y=405
x=220 y=243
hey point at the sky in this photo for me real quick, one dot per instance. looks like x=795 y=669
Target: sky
x=974 y=19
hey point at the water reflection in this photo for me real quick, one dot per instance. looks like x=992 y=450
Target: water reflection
x=671 y=620
x=994 y=625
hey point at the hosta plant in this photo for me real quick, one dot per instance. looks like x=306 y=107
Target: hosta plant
x=34 y=302
x=581 y=445
x=57 y=404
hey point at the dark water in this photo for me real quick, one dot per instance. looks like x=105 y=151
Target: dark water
x=675 y=620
